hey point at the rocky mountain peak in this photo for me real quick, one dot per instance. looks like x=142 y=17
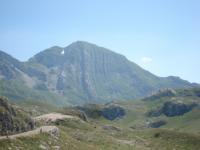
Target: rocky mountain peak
x=84 y=72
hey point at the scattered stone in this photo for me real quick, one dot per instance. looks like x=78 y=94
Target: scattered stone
x=157 y=124
x=112 y=128
x=49 y=143
x=56 y=147
x=43 y=147
x=54 y=132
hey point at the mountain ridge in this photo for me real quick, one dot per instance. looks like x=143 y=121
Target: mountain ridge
x=84 y=72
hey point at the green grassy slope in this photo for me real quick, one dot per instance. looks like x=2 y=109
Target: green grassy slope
x=127 y=133
x=78 y=135
x=136 y=116
x=19 y=92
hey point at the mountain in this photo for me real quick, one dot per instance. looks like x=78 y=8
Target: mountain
x=83 y=72
x=18 y=81
x=10 y=67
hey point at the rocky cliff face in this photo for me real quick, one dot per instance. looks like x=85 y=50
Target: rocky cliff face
x=171 y=109
x=13 y=120
x=87 y=72
x=163 y=93
x=110 y=112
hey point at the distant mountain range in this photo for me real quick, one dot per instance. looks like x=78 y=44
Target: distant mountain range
x=79 y=73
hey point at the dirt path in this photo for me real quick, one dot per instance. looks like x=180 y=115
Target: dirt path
x=52 y=117
x=44 y=129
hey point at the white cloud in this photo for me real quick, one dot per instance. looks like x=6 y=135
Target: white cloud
x=146 y=60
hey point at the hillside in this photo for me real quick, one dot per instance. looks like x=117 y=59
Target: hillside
x=92 y=127
x=79 y=73
x=168 y=109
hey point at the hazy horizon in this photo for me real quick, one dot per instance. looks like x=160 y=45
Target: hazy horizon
x=161 y=36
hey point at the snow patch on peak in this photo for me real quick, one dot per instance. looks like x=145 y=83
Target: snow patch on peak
x=63 y=52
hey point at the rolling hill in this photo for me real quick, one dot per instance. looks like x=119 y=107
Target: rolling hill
x=92 y=126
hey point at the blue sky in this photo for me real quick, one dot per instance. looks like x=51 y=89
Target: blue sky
x=162 y=36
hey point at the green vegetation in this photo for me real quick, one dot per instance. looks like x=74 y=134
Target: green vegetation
x=137 y=112
x=18 y=92
x=129 y=132
x=81 y=135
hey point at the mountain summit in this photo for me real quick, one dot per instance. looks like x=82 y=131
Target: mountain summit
x=84 y=72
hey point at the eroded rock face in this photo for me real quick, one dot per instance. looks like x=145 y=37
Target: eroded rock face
x=110 y=112
x=160 y=94
x=12 y=120
x=80 y=73
x=113 y=112
x=171 y=109
x=154 y=113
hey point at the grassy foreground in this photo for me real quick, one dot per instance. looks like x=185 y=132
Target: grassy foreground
x=79 y=135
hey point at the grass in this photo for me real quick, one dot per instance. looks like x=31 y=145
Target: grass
x=190 y=122
x=168 y=140
x=70 y=138
x=180 y=132
x=90 y=136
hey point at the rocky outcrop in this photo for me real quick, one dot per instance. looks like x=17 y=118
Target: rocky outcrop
x=157 y=124
x=13 y=120
x=154 y=113
x=160 y=94
x=171 y=109
x=75 y=112
x=110 y=112
x=91 y=110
